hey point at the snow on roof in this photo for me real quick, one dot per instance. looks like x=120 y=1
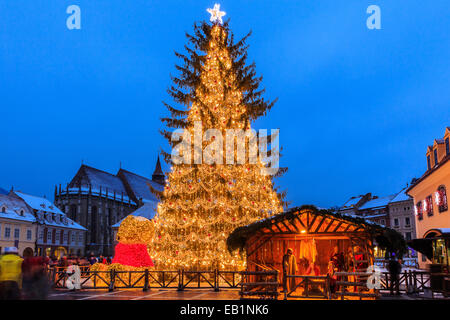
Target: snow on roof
x=70 y=224
x=44 y=205
x=376 y=203
x=98 y=178
x=352 y=202
x=139 y=186
x=38 y=203
x=97 y=192
x=148 y=210
x=15 y=209
x=401 y=196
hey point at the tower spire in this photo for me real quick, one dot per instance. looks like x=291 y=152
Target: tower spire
x=158 y=174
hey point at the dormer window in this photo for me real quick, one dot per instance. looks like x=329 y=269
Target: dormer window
x=435 y=157
x=22 y=212
x=3 y=209
x=428 y=162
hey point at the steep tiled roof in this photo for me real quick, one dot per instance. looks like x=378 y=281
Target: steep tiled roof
x=139 y=185
x=97 y=178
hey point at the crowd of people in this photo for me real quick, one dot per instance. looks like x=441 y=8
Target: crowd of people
x=27 y=278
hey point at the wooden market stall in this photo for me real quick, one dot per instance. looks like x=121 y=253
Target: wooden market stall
x=315 y=237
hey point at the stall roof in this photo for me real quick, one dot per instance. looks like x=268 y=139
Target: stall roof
x=309 y=220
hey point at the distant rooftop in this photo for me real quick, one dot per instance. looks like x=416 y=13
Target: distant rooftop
x=38 y=203
x=352 y=202
x=377 y=203
x=401 y=196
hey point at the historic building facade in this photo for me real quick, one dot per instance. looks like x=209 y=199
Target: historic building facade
x=17 y=224
x=97 y=200
x=394 y=211
x=430 y=193
x=56 y=234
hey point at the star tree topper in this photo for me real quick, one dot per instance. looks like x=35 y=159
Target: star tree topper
x=216 y=14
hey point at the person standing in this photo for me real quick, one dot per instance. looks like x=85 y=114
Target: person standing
x=395 y=268
x=289 y=268
x=10 y=274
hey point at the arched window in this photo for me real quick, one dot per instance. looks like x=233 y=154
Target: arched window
x=3 y=209
x=441 y=199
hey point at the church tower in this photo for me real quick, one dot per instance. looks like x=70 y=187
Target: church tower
x=158 y=175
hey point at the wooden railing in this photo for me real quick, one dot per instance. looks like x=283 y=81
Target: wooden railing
x=354 y=284
x=260 y=284
x=309 y=286
x=263 y=284
x=147 y=279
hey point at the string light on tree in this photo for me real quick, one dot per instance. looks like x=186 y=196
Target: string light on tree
x=203 y=203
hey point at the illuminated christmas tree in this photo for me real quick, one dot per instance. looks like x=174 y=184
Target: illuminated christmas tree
x=209 y=191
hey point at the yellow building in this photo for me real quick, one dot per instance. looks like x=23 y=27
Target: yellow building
x=431 y=205
x=17 y=227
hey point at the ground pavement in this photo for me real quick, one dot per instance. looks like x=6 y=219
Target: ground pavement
x=153 y=294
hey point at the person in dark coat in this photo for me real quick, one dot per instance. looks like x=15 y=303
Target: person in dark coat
x=395 y=268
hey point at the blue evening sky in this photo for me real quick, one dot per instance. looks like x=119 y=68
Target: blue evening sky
x=357 y=107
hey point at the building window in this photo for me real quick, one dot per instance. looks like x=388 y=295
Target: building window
x=407 y=222
x=447 y=146
x=57 y=236
x=435 y=157
x=65 y=236
x=408 y=236
x=3 y=209
x=41 y=235
x=428 y=163
x=419 y=210
x=80 y=238
x=396 y=222
x=49 y=235
x=16 y=233
x=73 y=237
x=429 y=205
x=29 y=234
x=73 y=212
x=7 y=232
x=441 y=199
